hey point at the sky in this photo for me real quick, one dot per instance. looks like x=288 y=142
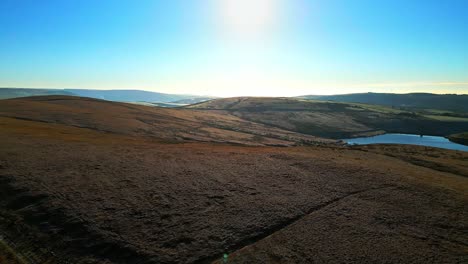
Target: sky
x=236 y=47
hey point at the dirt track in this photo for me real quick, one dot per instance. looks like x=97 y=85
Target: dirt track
x=107 y=198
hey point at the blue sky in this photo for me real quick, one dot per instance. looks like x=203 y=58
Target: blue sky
x=236 y=47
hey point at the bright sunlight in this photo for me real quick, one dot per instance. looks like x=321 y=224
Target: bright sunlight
x=247 y=18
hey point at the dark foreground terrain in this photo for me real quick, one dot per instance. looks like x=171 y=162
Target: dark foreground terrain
x=85 y=182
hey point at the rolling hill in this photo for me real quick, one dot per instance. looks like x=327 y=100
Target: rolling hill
x=143 y=121
x=411 y=101
x=334 y=119
x=6 y=93
x=88 y=181
x=132 y=95
x=110 y=95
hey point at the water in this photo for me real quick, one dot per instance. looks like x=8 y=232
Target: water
x=432 y=141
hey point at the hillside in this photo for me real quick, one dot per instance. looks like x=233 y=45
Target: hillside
x=173 y=125
x=411 y=101
x=461 y=138
x=333 y=119
x=195 y=100
x=88 y=181
x=110 y=95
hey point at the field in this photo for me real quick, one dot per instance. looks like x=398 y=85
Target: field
x=88 y=181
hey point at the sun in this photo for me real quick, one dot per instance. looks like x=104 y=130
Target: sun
x=247 y=18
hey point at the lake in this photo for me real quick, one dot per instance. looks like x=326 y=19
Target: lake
x=432 y=141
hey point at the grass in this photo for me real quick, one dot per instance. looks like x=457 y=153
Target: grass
x=447 y=118
x=8 y=255
x=460 y=138
x=106 y=207
x=437 y=111
x=378 y=108
x=329 y=119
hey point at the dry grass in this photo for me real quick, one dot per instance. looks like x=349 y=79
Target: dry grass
x=149 y=122
x=333 y=119
x=124 y=197
x=8 y=255
x=461 y=138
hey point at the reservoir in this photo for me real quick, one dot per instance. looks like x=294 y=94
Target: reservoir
x=432 y=141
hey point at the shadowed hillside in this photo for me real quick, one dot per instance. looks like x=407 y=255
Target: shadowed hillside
x=333 y=119
x=461 y=138
x=412 y=101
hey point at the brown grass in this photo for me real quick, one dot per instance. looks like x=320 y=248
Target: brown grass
x=8 y=255
x=333 y=119
x=149 y=122
x=126 y=197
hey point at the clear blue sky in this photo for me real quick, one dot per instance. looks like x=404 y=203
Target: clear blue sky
x=236 y=47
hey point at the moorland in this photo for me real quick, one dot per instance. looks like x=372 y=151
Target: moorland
x=242 y=180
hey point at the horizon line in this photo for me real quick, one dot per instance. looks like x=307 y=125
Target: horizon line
x=201 y=95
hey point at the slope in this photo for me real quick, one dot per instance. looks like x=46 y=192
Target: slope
x=76 y=195
x=172 y=125
x=411 y=101
x=84 y=181
x=333 y=119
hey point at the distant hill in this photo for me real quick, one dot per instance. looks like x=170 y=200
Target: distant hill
x=130 y=95
x=110 y=95
x=335 y=119
x=447 y=102
x=6 y=93
x=195 y=100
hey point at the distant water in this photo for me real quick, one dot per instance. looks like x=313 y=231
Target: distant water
x=432 y=141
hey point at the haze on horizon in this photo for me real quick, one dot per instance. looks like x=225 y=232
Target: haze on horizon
x=236 y=47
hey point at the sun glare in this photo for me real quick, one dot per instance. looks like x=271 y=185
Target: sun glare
x=247 y=18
